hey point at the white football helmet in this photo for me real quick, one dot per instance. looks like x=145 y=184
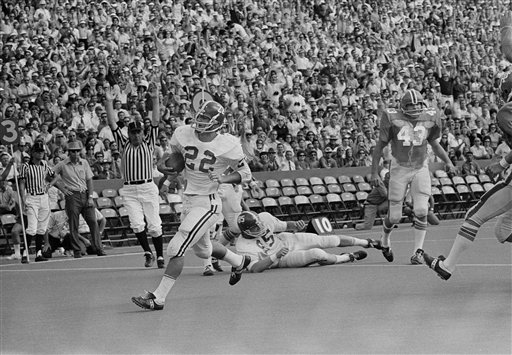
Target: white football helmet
x=209 y=118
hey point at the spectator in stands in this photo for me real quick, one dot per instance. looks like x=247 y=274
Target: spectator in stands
x=289 y=164
x=327 y=161
x=302 y=163
x=469 y=167
x=263 y=164
x=478 y=150
x=488 y=147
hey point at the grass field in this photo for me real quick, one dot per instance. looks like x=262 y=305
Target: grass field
x=82 y=306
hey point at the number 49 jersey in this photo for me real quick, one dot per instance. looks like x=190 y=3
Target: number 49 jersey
x=200 y=157
x=409 y=137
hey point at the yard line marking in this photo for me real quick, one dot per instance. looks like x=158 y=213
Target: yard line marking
x=201 y=267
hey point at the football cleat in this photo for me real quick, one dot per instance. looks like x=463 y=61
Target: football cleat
x=149 y=259
x=388 y=254
x=216 y=265
x=357 y=255
x=437 y=265
x=372 y=243
x=148 y=301
x=160 y=262
x=236 y=272
x=208 y=270
x=417 y=258
x=209 y=118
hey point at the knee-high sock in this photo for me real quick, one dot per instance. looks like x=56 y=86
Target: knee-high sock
x=143 y=241
x=420 y=230
x=158 y=243
x=465 y=237
x=172 y=272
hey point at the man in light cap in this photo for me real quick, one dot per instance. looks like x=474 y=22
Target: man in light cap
x=76 y=184
x=497 y=202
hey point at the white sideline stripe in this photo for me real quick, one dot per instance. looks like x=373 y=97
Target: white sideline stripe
x=201 y=267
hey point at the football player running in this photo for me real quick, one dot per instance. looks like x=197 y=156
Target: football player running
x=498 y=200
x=207 y=154
x=264 y=239
x=408 y=130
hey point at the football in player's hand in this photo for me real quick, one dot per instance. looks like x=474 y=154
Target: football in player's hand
x=175 y=161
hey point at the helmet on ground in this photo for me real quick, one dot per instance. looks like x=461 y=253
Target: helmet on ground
x=412 y=103
x=209 y=118
x=250 y=225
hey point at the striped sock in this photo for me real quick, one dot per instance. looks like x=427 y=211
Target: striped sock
x=465 y=237
x=420 y=230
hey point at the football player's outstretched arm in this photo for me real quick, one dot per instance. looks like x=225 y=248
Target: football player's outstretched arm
x=506 y=35
x=266 y=263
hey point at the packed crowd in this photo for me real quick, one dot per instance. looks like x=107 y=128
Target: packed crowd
x=303 y=82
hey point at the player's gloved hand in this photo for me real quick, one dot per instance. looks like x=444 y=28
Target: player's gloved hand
x=494 y=169
x=300 y=225
x=282 y=252
x=375 y=180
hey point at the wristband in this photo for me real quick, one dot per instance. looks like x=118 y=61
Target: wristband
x=167 y=183
x=504 y=164
x=273 y=258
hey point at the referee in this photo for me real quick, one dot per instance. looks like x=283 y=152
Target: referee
x=34 y=197
x=140 y=193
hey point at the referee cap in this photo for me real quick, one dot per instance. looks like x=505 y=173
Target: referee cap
x=38 y=146
x=135 y=126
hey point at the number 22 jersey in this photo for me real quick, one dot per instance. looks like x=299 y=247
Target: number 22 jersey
x=409 y=137
x=200 y=157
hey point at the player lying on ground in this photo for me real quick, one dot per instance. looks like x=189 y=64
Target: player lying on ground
x=264 y=239
x=498 y=200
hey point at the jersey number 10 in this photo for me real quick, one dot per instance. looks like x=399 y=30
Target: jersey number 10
x=415 y=135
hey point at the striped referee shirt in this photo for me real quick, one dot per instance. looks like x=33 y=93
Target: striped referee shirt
x=137 y=162
x=35 y=177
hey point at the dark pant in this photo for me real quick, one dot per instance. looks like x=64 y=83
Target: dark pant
x=76 y=204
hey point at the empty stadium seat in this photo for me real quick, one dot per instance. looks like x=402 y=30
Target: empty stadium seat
x=364 y=186
x=118 y=201
x=314 y=180
x=334 y=188
x=458 y=180
x=477 y=190
x=487 y=186
x=440 y=174
x=361 y=196
x=272 y=183
x=356 y=179
x=301 y=182
x=318 y=203
x=288 y=207
x=349 y=187
x=330 y=180
x=111 y=217
x=254 y=205
x=289 y=191
x=111 y=193
x=319 y=189
x=471 y=179
x=344 y=179
x=273 y=192
x=484 y=178
x=304 y=190
x=271 y=206
x=445 y=181
x=287 y=183
x=104 y=202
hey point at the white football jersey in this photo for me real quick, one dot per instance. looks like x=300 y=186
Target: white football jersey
x=200 y=157
x=267 y=245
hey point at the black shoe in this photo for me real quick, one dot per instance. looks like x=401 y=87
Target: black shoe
x=216 y=265
x=388 y=254
x=236 y=272
x=24 y=260
x=147 y=301
x=372 y=243
x=40 y=258
x=437 y=265
x=77 y=254
x=101 y=252
x=160 y=262
x=90 y=250
x=150 y=259
x=357 y=255
x=417 y=258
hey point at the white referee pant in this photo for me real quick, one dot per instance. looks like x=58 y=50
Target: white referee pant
x=38 y=213
x=143 y=201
